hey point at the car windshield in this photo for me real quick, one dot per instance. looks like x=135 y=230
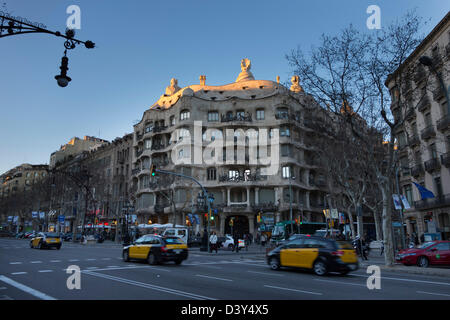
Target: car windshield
x=425 y=245
x=278 y=231
x=51 y=235
x=173 y=241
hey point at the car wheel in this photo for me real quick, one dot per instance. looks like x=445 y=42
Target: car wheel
x=151 y=259
x=320 y=268
x=423 y=262
x=178 y=261
x=274 y=264
x=125 y=256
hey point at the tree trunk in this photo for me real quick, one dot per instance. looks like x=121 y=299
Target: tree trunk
x=378 y=225
x=387 y=223
x=350 y=218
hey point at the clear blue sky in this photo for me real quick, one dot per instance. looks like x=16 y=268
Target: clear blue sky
x=140 y=46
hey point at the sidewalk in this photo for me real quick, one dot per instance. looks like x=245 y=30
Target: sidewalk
x=376 y=259
x=254 y=251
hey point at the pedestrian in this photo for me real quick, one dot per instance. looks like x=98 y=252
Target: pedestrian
x=263 y=239
x=247 y=241
x=258 y=238
x=382 y=247
x=422 y=238
x=213 y=241
x=236 y=242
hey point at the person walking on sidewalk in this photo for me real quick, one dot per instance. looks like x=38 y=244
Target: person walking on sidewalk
x=263 y=239
x=236 y=242
x=213 y=241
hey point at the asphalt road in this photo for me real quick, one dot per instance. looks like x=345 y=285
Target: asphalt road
x=29 y=274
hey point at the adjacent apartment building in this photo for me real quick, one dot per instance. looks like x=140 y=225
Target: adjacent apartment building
x=420 y=102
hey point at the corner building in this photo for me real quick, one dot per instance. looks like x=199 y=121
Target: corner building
x=169 y=136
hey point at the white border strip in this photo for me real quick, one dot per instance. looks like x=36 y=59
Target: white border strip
x=26 y=289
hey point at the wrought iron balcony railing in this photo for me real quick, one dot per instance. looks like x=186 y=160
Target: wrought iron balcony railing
x=428 y=132
x=432 y=164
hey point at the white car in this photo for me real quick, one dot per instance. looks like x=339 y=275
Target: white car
x=228 y=243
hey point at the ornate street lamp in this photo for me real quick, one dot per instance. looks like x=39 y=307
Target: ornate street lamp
x=10 y=26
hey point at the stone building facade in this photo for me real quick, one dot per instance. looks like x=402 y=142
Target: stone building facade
x=424 y=136
x=207 y=132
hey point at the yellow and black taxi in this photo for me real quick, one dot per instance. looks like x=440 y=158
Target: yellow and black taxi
x=156 y=249
x=314 y=253
x=46 y=240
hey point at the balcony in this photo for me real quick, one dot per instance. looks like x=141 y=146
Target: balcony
x=159 y=129
x=158 y=146
x=229 y=118
x=432 y=165
x=250 y=177
x=138 y=153
x=438 y=94
x=159 y=208
x=424 y=104
x=420 y=74
x=439 y=201
x=417 y=170
x=428 y=132
x=445 y=159
x=265 y=207
x=135 y=171
x=447 y=50
x=414 y=140
x=443 y=123
x=410 y=114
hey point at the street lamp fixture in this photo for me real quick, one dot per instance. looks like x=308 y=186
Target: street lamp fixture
x=62 y=78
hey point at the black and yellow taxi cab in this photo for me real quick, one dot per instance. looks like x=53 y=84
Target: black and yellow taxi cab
x=314 y=253
x=46 y=240
x=156 y=249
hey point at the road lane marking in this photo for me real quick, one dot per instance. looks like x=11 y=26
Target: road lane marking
x=288 y=289
x=26 y=289
x=436 y=294
x=266 y=273
x=72 y=260
x=340 y=282
x=2 y=288
x=150 y=286
x=106 y=258
x=16 y=273
x=92 y=268
x=211 y=267
x=113 y=267
x=200 y=275
x=15 y=263
x=91 y=259
x=410 y=280
x=45 y=271
x=36 y=261
x=55 y=260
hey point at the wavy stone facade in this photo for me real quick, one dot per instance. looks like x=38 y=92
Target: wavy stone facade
x=240 y=188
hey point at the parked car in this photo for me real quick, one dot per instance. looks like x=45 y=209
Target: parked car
x=429 y=253
x=29 y=235
x=194 y=241
x=226 y=242
x=318 y=254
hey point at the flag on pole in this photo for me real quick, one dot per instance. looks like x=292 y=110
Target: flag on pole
x=405 y=202
x=424 y=192
x=397 y=204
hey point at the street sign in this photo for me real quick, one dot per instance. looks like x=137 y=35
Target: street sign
x=61 y=218
x=34 y=214
x=41 y=215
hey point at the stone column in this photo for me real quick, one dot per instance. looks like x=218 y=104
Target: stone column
x=256 y=196
x=420 y=224
x=222 y=224
x=307 y=205
x=228 y=196
x=248 y=197
x=251 y=222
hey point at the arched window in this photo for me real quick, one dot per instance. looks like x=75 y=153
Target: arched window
x=184 y=115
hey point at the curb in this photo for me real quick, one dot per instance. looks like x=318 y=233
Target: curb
x=413 y=270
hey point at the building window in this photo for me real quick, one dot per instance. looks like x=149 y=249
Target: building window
x=213 y=116
x=260 y=114
x=409 y=194
x=285 y=150
x=183 y=133
x=212 y=174
x=286 y=172
x=233 y=174
x=438 y=185
x=149 y=127
x=172 y=120
x=181 y=154
x=433 y=151
x=285 y=132
x=185 y=114
x=282 y=113
x=148 y=144
x=240 y=114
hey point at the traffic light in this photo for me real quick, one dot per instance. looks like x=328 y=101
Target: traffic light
x=231 y=222
x=153 y=170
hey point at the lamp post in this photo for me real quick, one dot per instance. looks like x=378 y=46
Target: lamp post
x=428 y=62
x=10 y=26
